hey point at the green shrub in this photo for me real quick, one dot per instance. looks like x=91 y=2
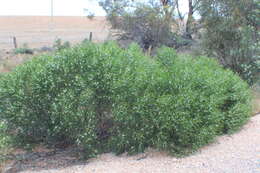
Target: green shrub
x=178 y=104
x=59 y=45
x=4 y=138
x=104 y=98
x=56 y=98
x=23 y=50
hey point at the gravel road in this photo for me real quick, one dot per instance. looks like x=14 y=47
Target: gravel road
x=238 y=153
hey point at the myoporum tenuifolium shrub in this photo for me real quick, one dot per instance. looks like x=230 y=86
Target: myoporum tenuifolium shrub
x=102 y=98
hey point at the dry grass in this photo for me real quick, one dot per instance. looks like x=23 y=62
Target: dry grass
x=39 y=31
x=9 y=62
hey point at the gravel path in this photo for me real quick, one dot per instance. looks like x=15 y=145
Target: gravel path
x=238 y=153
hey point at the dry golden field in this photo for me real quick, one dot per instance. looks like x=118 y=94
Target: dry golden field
x=37 y=31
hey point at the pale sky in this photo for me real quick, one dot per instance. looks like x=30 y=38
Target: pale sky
x=61 y=7
x=43 y=7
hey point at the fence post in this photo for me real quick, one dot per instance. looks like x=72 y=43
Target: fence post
x=15 y=42
x=90 y=36
x=149 y=52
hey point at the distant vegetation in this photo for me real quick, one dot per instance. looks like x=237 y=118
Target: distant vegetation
x=59 y=45
x=104 y=98
x=23 y=50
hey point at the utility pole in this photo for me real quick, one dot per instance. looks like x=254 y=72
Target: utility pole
x=52 y=23
x=52 y=10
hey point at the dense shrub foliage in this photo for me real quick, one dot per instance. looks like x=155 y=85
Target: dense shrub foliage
x=104 y=98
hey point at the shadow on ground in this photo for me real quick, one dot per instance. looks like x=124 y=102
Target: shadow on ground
x=44 y=160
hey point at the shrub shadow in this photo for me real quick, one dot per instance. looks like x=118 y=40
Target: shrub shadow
x=44 y=160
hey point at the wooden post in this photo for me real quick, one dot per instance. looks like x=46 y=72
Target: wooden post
x=90 y=36
x=149 y=50
x=15 y=42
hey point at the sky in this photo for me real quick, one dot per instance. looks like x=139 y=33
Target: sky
x=43 y=7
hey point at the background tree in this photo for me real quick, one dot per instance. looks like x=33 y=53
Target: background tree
x=193 y=6
x=148 y=23
x=232 y=34
x=231 y=28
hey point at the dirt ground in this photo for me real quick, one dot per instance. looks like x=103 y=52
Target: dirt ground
x=37 y=31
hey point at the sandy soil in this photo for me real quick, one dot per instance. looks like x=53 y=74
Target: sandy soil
x=39 y=31
x=238 y=153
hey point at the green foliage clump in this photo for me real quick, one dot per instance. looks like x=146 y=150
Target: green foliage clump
x=104 y=98
x=4 y=138
x=59 y=45
x=23 y=50
x=179 y=105
x=58 y=98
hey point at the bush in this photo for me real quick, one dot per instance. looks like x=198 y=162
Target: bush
x=23 y=50
x=104 y=98
x=179 y=104
x=56 y=98
x=59 y=45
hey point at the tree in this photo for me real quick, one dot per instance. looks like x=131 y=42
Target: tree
x=148 y=23
x=114 y=9
x=193 y=6
x=232 y=35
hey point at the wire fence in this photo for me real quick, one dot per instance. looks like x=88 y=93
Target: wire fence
x=41 y=31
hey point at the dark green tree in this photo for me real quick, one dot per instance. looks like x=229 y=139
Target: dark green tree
x=232 y=34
